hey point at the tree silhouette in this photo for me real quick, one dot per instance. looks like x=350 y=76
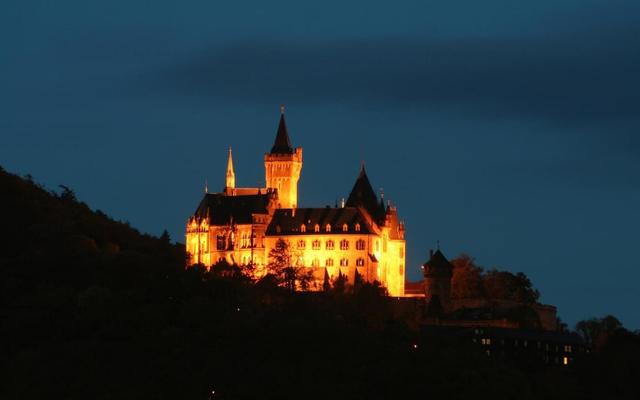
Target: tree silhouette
x=286 y=273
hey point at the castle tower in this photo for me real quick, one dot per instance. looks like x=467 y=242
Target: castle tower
x=283 y=166
x=437 y=280
x=231 y=176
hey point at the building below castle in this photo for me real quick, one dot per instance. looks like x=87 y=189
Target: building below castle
x=362 y=236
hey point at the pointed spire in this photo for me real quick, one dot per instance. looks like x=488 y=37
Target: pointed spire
x=231 y=176
x=206 y=186
x=282 y=144
x=362 y=193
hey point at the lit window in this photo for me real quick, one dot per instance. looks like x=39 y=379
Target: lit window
x=329 y=262
x=360 y=262
x=329 y=245
x=344 y=262
x=316 y=245
x=303 y=228
x=401 y=269
x=302 y=244
x=344 y=244
x=565 y=360
x=345 y=228
x=357 y=227
x=360 y=244
x=327 y=228
x=220 y=242
x=278 y=228
x=316 y=228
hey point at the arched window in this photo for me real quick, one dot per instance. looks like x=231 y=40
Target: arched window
x=344 y=262
x=303 y=228
x=316 y=228
x=329 y=245
x=220 y=242
x=329 y=262
x=360 y=262
x=357 y=227
x=361 y=244
x=345 y=227
x=316 y=245
x=327 y=228
x=344 y=244
x=302 y=244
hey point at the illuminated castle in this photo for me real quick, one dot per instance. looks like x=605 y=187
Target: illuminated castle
x=241 y=225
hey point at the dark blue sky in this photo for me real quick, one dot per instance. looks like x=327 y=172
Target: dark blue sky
x=506 y=130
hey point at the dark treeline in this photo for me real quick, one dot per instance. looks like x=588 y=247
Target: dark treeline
x=92 y=309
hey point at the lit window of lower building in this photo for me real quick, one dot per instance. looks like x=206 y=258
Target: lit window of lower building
x=344 y=262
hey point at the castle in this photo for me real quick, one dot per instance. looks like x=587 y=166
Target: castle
x=362 y=236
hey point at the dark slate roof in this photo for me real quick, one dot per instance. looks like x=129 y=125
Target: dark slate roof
x=438 y=262
x=290 y=223
x=282 y=145
x=363 y=195
x=222 y=210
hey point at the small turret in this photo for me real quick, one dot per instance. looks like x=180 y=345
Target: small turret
x=231 y=176
x=437 y=279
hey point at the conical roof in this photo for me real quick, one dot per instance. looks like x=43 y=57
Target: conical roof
x=282 y=144
x=362 y=195
x=438 y=263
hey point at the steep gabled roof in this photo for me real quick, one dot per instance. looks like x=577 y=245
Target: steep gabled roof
x=287 y=221
x=363 y=195
x=282 y=145
x=222 y=210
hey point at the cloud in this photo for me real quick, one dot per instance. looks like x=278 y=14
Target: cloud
x=575 y=78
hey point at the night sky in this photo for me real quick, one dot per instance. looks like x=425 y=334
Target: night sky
x=507 y=130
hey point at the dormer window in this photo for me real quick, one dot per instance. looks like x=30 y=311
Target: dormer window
x=327 y=228
x=316 y=228
x=345 y=227
x=303 y=228
x=357 y=227
x=278 y=230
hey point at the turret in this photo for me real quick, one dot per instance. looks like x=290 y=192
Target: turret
x=437 y=280
x=231 y=176
x=283 y=166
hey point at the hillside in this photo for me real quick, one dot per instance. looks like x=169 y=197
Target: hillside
x=92 y=308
